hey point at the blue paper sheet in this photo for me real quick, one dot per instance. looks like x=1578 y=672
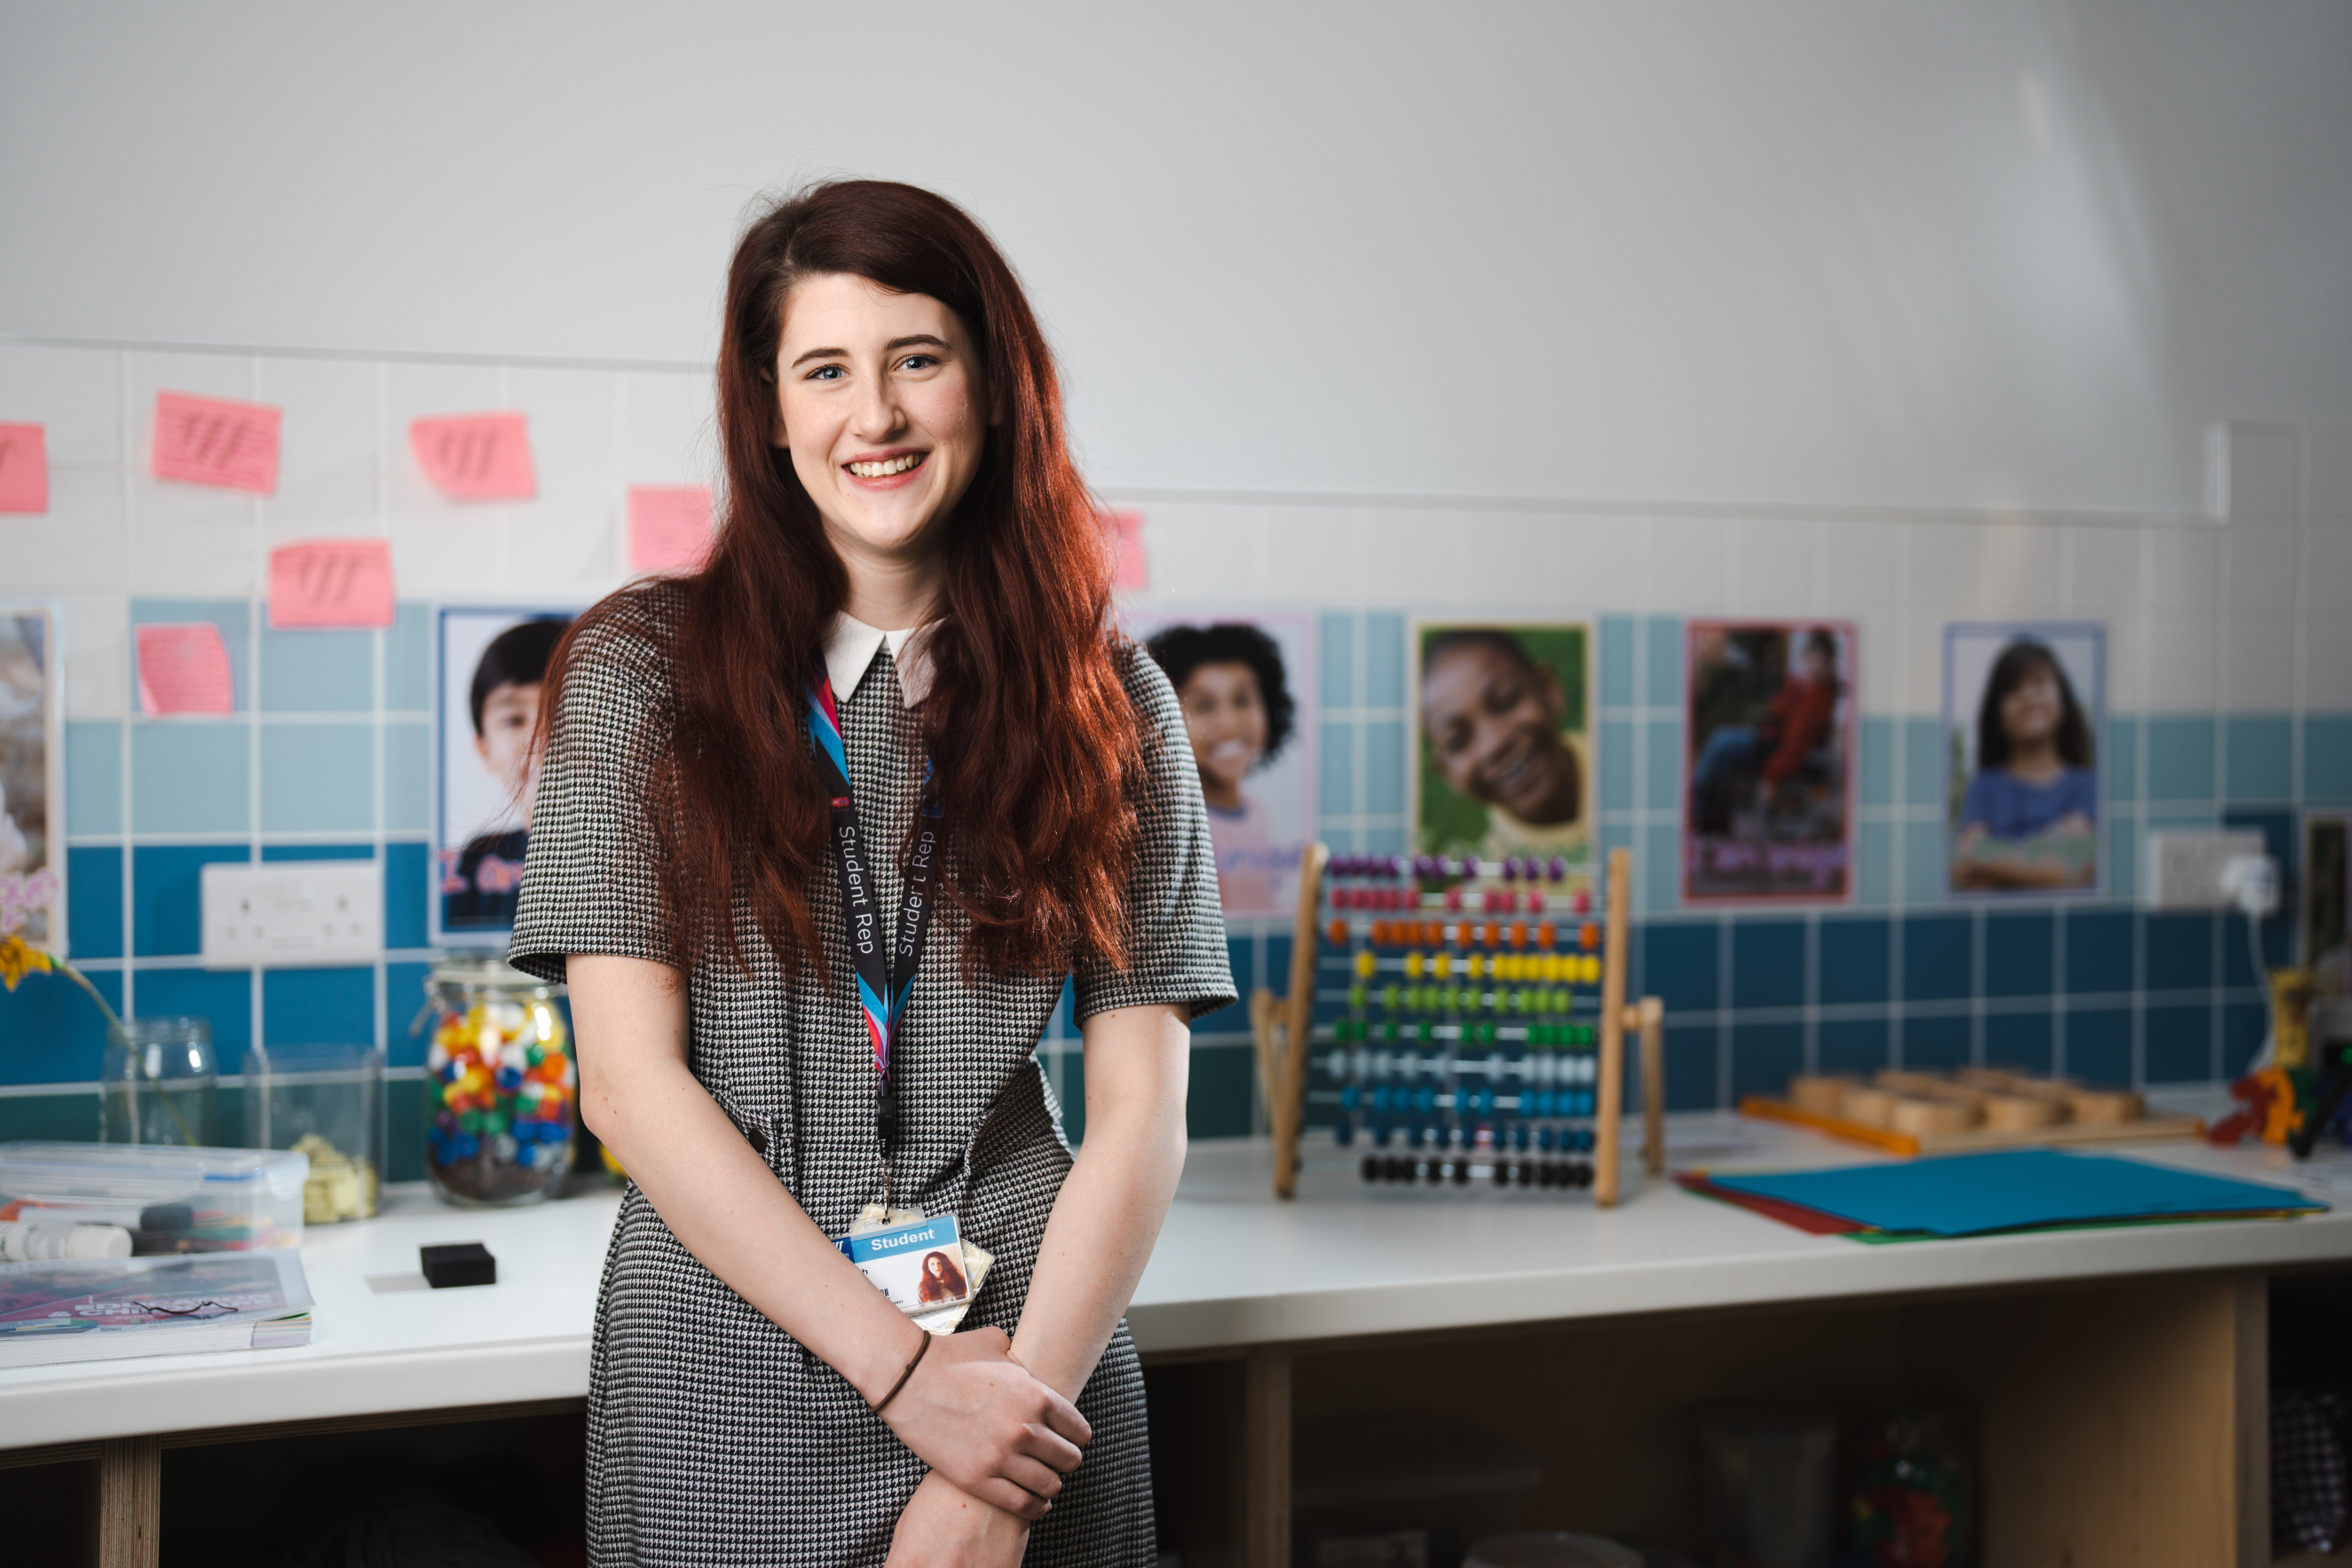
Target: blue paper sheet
x=1970 y=1195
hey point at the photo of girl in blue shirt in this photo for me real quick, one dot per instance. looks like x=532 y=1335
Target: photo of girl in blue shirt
x=2029 y=818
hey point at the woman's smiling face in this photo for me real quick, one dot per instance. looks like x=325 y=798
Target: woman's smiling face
x=882 y=401
x=1495 y=728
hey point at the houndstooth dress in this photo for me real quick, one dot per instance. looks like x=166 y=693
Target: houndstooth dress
x=714 y=1437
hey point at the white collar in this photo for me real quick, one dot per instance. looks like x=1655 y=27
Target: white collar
x=849 y=653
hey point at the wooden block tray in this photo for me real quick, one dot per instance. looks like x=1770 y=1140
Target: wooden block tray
x=1765 y=1108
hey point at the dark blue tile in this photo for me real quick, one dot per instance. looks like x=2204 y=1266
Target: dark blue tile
x=1936 y=1042
x=2244 y=1027
x=52 y=1033
x=1221 y=1096
x=1853 y=1045
x=404 y=896
x=2280 y=841
x=2327 y=756
x=2098 y=951
x=319 y=1007
x=2023 y=1041
x=167 y=896
x=1065 y=1011
x=1233 y=1019
x=2180 y=757
x=2099 y=1046
x=1939 y=957
x=2179 y=952
x=1854 y=961
x=223 y=999
x=2180 y=1044
x=94 y=901
x=403 y=999
x=1074 y=1097
x=2260 y=753
x=1690 y=1069
x=2020 y=953
x=1767 y=963
x=1764 y=1057
x=1678 y=964
x=1277 y=969
x=318 y=852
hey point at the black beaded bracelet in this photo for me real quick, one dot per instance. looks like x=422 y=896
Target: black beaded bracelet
x=921 y=1350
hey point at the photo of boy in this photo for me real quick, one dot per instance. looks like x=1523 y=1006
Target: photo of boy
x=1239 y=715
x=2021 y=717
x=1770 y=715
x=1502 y=723
x=32 y=721
x=486 y=734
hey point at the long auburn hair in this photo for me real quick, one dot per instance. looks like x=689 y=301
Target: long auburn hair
x=1039 y=765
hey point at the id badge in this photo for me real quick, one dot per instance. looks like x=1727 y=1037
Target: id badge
x=921 y=1263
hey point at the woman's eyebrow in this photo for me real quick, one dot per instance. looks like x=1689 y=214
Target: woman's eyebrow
x=822 y=354
x=895 y=344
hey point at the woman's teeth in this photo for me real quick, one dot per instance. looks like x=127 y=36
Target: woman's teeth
x=883 y=470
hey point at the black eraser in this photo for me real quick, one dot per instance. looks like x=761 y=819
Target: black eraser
x=457 y=1264
x=167 y=1216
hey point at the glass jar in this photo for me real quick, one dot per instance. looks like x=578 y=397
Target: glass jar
x=326 y=1102
x=499 y=1086
x=160 y=1082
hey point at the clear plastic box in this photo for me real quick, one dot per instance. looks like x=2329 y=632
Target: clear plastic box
x=171 y=1200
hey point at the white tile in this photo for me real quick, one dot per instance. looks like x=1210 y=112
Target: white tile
x=575 y=429
x=2128 y=662
x=1318 y=553
x=462 y=559
x=1685 y=565
x=326 y=451
x=2260 y=557
x=2326 y=567
x=1774 y=568
x=98 y=655
x=2183 y=663
x=2102 y=569
x=2260 y=665
x=1919 y=642
x=2327 y=662
x=2185 y=567
x=670 y=428
x=74 y=393
x=1945 y=567
x=217 y=554
x=1209 y=553
x=2020 y=571
x=571 y=553
x=1501 y=561
x=414 y=392
x=1882 y=655
x=1389 y=561
x=77 y=546
x=2266 y=472
x=2327 y=472
x=1599 y=565
x=1860 y=565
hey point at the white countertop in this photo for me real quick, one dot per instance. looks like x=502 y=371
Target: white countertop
x=1233 y=1267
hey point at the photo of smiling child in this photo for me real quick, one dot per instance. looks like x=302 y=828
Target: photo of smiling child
x=493 y=662
x=1240 y=682
x=2022 y=720
x=1502 y=725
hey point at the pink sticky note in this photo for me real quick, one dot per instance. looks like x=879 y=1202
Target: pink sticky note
x=669 y=526
x=212 y=440
x=23 y=468
x=185 y=669
x=1132 y=569
x=331 y=583
x=476 y=456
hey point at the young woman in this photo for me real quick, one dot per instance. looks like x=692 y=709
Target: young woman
x=2030 y=816
x=893 y=689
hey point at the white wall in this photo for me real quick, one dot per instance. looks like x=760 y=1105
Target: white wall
x=1803 y=252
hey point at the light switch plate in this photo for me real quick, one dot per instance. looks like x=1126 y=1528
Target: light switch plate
x=292 y=913
x=2184 y=869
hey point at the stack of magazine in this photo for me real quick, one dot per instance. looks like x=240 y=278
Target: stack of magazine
x=104 y=1309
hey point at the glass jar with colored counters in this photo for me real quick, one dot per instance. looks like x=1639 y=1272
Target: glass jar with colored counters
x=500 y=1090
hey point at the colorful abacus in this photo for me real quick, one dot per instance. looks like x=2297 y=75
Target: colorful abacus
x=1481 y=1022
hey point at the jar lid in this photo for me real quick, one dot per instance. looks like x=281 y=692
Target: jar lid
x=485 y=968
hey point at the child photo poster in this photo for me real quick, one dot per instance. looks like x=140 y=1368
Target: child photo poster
x=2024 y=714
x=1768 y=798
x=489 y=666
x=1501 y=716
x=1246 y=679
x=32 y=774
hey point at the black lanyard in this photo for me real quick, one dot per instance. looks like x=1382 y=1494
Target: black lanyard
x=885 y=973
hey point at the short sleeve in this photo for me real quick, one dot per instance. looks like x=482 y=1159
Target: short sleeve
x=1176 y=928
x=588 y=880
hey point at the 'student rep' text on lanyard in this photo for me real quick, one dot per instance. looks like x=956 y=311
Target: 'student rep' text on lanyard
x=885 y=972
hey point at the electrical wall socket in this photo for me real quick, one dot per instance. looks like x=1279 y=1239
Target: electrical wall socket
x=2185 y=869
x=290 y=914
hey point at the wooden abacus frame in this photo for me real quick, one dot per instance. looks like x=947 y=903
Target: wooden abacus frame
x=1283 y=1028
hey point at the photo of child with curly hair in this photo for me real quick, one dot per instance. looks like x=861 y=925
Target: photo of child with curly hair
x=2025 y=781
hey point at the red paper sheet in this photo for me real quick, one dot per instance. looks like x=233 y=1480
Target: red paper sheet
x=476 y=456
x=214 y=441
x=183 y=668
x=331 y=583
x=1134 y=568
x=23 y=468
x=669 y=526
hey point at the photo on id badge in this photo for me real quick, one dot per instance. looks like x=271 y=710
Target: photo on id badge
x=919 y=1265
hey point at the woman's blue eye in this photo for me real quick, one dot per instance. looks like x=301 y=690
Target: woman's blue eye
x=917 y=363
x=827 y=372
